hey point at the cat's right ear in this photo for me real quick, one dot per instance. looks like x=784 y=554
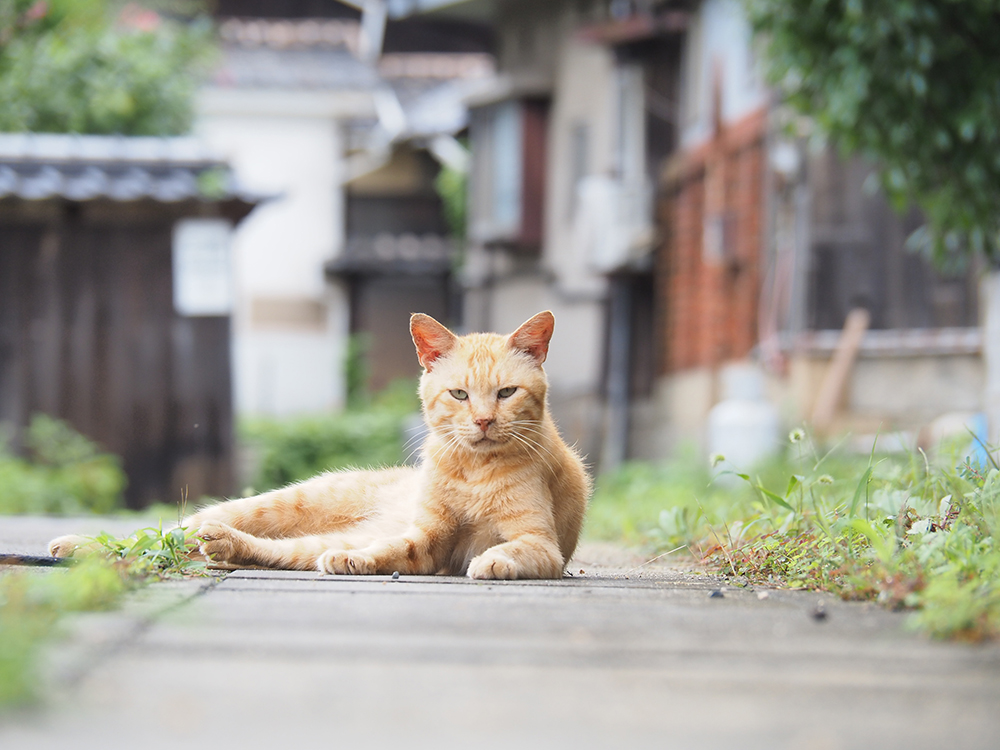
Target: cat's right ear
x=432 y=339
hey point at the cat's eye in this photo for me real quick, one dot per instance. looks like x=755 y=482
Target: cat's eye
x=459 y=394
x=507 y=392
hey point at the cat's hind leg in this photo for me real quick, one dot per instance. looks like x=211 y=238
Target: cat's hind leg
x=330 y=502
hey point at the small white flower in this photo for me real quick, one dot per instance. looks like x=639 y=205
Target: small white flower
x=797 y=435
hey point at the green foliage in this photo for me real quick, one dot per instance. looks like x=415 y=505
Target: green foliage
x=361 y=436
x=32 y=602
x=452 y=187
x=913 y=84
x=30 y=606
x=900 y=530
x=63 y=472
x=153 y=551
x=71 y=66
x=356 y=369
x=627 y=501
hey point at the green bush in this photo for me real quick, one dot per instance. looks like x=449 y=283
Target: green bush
x=63 y=472
x=361 y=436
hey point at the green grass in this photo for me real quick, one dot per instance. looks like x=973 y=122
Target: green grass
x=32 y=602
x=905 y=531
x=30 y=607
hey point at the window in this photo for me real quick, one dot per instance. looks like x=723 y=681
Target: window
x=201 y=267
x=508 y=173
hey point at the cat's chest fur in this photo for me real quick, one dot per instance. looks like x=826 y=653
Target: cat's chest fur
x=482 y=494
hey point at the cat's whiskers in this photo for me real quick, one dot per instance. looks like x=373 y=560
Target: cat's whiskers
x=536 y=449
x=530 y=430
x=451 y=444
x=414 y=444
x=529 y=426
x=543 y=446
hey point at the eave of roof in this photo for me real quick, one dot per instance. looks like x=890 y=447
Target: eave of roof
x=35 y=166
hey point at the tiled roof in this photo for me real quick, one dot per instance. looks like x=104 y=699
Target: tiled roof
x=321 y=54
x=389 y=253
x=85 y=167
x=436 y=65
x=298 y=54
x=309 y=69
x=290 y=33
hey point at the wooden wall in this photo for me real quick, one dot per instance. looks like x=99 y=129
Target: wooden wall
x=859 y=257
x=88 y=334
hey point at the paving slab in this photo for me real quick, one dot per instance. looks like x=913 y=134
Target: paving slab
x=621 y=655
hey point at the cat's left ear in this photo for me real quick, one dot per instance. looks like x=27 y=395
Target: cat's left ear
x=431 y=338
x=533 y=336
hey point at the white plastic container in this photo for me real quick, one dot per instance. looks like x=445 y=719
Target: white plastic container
x=744 y=427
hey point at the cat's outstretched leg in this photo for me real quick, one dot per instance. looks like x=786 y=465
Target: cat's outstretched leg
x=224 y=544
x=69 y=545
x=74 y=545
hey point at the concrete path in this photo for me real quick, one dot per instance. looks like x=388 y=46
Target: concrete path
x=615 y=656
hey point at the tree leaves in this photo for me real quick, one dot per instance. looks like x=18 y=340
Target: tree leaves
x=914 y=85
x=73 y=69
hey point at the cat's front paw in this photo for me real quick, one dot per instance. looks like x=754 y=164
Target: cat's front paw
x=346 y=563
x=65 y=546
x=493 y=565
x=219 y=543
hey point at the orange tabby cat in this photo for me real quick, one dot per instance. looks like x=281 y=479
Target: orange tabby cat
x=498 y=493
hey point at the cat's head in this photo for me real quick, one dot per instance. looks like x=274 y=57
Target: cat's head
x=484 y=392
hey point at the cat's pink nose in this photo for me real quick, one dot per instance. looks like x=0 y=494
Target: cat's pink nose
x=484 y=423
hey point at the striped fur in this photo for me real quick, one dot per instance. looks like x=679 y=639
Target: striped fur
x=498 y=494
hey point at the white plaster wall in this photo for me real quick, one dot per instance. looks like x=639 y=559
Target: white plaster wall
x=914 y=389
x=577 y=350
x=294 y=151
x=719 y=37
x=585 y=95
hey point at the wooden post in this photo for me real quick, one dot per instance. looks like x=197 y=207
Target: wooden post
x=839 y=370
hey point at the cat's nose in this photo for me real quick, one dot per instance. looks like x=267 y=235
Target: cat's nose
x=484 y=423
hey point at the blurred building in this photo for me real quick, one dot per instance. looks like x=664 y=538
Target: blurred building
x=276 y=106
x=356 y=239
x=628 y=172
x=115 y=298
x=767 y=246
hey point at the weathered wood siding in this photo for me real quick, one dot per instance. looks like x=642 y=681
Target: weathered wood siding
x=859 y=257
x=88 y=333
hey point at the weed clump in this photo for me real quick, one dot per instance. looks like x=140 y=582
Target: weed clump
x=32 y=602
x=903 y=531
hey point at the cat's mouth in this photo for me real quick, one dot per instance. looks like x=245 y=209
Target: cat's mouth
x=485 y=442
